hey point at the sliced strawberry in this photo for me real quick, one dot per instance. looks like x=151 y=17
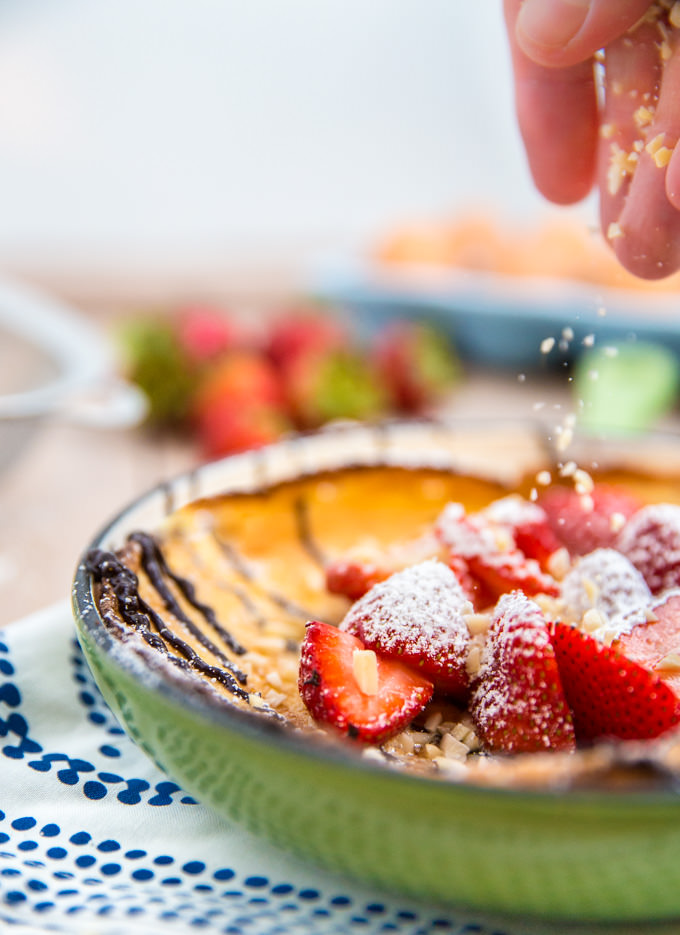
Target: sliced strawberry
x=417 y=615
x=585 y=522
x=655 y=644
x=611 y=696
x=474 y=590
x=329 y=688
x=357 y=571
x=353 y=577
x=538 y=541
x=462 y=534
x=528 y=522
x=517 y=702
x=651 y=540
x=490 y=556
x=502 y=572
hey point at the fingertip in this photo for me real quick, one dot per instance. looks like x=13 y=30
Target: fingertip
x=545 y=27
x=559 y=33
x=651 y=256
x=562 y=189
x=673 y=181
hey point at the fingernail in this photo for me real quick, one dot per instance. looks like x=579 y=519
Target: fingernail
x=550 y=24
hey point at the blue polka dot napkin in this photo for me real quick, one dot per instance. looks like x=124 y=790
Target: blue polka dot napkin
x=94 y=839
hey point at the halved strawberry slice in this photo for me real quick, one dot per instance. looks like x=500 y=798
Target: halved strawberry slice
x=490 y=554
x=655 y=644
x=417 y=615
x=353 y=577
x=502 y=572
x=517 y=703
x=528 y=522
x=474 y=590
x=357 y=571
x=611 y=696
x=651 y=540
x=333 y=694
x=584 y=522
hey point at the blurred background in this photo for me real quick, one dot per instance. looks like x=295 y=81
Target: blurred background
x=241 y=158
x=155 y=145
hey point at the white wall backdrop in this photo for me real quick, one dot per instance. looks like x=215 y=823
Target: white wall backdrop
x=157 y=128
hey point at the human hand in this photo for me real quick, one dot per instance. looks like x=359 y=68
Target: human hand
x=597 y=87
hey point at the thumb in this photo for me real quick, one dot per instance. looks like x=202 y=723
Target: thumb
x=565 y=32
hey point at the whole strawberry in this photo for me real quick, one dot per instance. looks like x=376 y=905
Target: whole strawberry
x=205 y=332
x=417 y=365
x=584 y=522
x=155 y=361
x=338 y=384
x=226 y=430
x=518 y=704
x=239 y=405
x=301 y=333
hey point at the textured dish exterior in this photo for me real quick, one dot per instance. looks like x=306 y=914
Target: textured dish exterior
x=577 y=857
x=588 y=856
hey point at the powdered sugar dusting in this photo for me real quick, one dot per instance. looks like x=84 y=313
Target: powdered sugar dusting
x=515 y=510
x=463 y=534
x=517 y=703
x=651 y=540
x=420 y=607
x=607 y=582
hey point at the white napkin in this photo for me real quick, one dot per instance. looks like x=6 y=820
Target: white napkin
x=95 y=839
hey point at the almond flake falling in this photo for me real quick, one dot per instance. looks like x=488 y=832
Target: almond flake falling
x=565 y=437
x=617 y=521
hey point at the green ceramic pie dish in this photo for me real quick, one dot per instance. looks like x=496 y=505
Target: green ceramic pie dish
x=602 y=851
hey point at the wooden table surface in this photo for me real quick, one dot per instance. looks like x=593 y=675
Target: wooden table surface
x=71 y=480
